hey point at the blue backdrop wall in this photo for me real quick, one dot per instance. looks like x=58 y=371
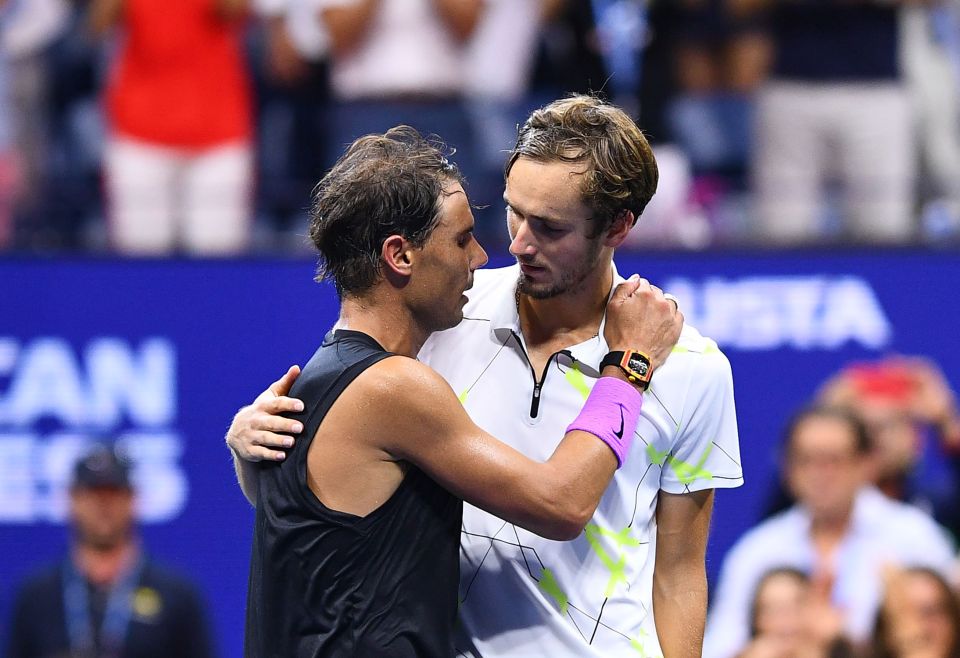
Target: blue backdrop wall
x=162 y=353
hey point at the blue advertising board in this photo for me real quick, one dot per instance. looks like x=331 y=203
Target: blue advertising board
x=160 y=354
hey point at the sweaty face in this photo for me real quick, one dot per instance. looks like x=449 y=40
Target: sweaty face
x=102 y=516
x=445 y=264
x=824 y=469
x=549 y=227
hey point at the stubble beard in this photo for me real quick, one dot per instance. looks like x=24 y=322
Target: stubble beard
x=569 y=280
x=435 y=319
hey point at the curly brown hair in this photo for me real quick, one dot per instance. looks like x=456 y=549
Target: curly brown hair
x=383 y=185
x=621 y=170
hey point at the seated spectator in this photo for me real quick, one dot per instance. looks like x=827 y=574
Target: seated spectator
x=841 y=529
x=792 y=617
x=920 y=617
x=914 y=426
x=106 y=598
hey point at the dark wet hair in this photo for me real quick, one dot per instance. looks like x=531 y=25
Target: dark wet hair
x=383 y=185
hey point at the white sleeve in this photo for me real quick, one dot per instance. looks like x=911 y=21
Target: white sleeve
x=706 y=452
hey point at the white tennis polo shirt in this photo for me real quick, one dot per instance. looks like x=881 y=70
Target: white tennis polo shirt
x=520 y=594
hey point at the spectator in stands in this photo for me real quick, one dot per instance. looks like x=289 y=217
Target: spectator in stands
x=28 y=28
x=841 y=529
x=290 y=50
x=930 y=59
x=178 y=164
x=720 y=61
x=8 y=159
x=106 y=599
x=702 y=66
x=836 y=107
x=920 y=617
x=914 y=425
x=498 y=68
x=399 y=62
x=792 y=617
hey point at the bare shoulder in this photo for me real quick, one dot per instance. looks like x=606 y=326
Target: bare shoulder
x=401 y=381
x=413 y=401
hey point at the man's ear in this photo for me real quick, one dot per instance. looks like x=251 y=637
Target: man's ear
x=619 y=228
x=397 y=254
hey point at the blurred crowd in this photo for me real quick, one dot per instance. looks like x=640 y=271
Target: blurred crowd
x=149 y=127
x=858 y=557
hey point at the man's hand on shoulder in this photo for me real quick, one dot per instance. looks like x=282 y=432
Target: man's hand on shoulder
x=639 y=317
x=258 y=431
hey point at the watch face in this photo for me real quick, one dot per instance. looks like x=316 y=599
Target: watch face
x=638 y=365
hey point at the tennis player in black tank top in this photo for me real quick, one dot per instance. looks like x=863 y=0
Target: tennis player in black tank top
x=411 y=543
x=357 y=531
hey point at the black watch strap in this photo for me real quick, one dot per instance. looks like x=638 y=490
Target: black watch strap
x=634 y=364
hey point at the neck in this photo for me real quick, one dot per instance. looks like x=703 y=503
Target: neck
x=104 y=565
x=576 y=313
x=391 y=325
x=827 y=527
x=893 y=486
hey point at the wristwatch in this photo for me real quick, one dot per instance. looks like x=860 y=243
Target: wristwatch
x=636 y=365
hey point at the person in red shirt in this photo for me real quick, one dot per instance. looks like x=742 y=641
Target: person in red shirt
x=179 y=158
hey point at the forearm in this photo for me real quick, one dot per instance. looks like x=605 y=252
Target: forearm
x=680 y=611
x=246 y=477
x=460 y=16
x=554 y=499
x=679 y=575
x=562 y=493
x=585 y=461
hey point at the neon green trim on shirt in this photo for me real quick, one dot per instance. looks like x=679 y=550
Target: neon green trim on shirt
x=690 y=473
x=637 y=643
x=655 y=456
x=686 y=472
x=617 y=569
x=578 y=381
x=548 y=583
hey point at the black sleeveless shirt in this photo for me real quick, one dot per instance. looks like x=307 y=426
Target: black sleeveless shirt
x=328 y=583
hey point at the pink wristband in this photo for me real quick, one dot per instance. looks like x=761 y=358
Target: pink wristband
x=611 y=414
